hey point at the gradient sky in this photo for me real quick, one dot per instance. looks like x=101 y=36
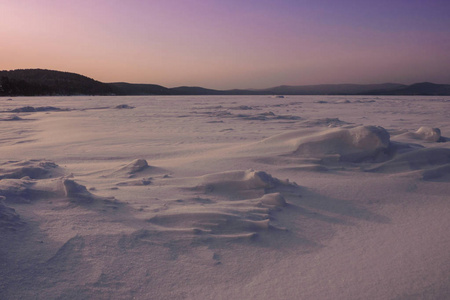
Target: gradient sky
x=230 y=43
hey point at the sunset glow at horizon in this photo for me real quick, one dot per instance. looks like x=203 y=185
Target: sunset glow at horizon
x=230 y=44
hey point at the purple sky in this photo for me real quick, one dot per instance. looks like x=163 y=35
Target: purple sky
x=231 y=44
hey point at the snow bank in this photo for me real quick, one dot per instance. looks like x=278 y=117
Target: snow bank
x=353 y=145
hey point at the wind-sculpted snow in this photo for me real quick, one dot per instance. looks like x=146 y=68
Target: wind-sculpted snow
x=28 y=109
x=367 y=147
x=431 y=163
x=9 y=219
x=27 y=181
x=224 y=197
x=240 y=204
x=136 y=166
x=34 y=169
x=238 y=182
x=424 y=133
x=352 y=145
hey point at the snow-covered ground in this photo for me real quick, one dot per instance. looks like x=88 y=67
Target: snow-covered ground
x=225 y=197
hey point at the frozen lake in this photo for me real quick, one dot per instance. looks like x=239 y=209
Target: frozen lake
x=225 y=197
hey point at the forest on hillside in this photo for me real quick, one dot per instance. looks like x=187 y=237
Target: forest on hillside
x=38 y=82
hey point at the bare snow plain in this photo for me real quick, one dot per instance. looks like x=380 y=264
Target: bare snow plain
x=225 y=197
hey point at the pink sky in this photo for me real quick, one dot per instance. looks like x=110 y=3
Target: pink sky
x=230 y=44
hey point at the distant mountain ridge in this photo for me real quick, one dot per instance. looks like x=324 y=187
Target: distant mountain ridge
x=333 y=89
x=423 y=88
x=39 y=82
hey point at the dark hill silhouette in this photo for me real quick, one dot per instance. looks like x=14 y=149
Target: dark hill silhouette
x=332 y=89
x=38 y=82
x=123 y=88
x=195 y=90
x=425 y=88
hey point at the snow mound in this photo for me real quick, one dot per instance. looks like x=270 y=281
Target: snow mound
x=239 y=205
x=12 y=118
x=35 y=169
x=14 y=189
x=123 y=106
x=201 y=221
x=238 y=184
x=274 y=199
x=230 y=219
x=77 y=192
x=130 y=170
x=36 y=109
x=352 y=145
x=26 y=190
x=328 y=122
x=428 y=134
x=9 y=219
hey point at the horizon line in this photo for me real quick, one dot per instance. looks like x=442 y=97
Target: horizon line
x=229 y=89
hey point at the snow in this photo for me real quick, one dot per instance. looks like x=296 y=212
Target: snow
x=225 y=197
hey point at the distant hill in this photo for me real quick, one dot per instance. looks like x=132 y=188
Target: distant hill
x=123 y=88
x=194 y=90
x=332 y=89
x=38 y=82
x=323 y=89
x=423 y=88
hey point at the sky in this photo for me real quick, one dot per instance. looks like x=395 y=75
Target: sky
x=230 y=44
